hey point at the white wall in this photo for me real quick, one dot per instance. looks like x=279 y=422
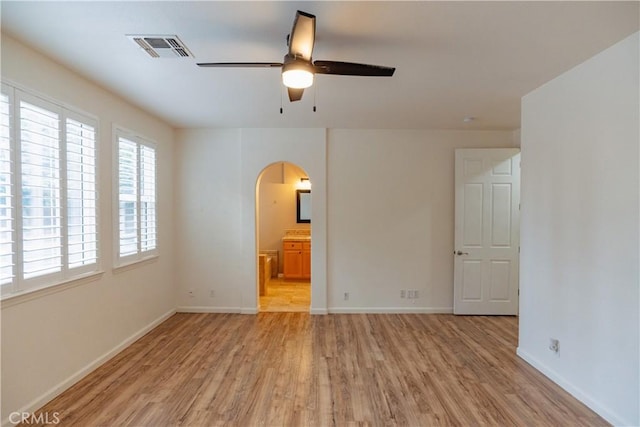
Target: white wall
x=208 y=220
x=217 y=234
x=579 y=231
x=51 y=339
x=391 y=216
x=388 y=214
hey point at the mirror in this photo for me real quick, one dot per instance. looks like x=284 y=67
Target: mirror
x=303 y=202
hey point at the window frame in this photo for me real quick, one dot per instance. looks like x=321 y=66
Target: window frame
x=140 y=141
x=20 y=285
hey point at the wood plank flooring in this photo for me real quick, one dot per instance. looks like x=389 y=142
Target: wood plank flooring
x=283 y=295
x=294 y=369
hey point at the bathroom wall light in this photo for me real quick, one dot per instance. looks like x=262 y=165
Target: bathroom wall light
x=304 y=184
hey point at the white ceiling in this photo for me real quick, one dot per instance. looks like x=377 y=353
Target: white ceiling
x=453 y=59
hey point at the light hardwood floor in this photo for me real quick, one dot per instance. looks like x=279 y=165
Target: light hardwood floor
x=294 y=369
x=284 y=295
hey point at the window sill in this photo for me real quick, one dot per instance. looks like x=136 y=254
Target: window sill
x=10 y=300
x=134 y=264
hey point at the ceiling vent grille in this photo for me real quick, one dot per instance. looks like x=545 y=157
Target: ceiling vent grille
x=161 y=46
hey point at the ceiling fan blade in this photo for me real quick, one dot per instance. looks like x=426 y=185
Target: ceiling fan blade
x=352 y=69
x=241 y=64
x=303 y=36
x=295 y=94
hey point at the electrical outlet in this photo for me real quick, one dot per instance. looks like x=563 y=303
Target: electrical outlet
x=212 y=293
x=191 y=293
x=403 y=293
x=554 y=345
x=346 y=296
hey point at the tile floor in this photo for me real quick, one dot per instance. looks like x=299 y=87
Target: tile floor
x=286 y=295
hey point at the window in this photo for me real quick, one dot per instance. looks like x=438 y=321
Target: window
x=48 y=194
x=136 y=183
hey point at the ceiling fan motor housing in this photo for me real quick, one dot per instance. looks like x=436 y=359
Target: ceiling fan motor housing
x=297 y=73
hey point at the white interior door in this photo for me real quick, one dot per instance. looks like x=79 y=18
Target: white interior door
x=487 y=231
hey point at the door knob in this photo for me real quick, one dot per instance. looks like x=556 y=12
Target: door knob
x=461 y=253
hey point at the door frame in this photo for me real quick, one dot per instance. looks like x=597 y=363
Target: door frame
x=259 y=183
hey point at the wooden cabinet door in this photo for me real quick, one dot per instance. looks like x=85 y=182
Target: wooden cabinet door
x=292 y=267
x=306 y=260
x=296 y=259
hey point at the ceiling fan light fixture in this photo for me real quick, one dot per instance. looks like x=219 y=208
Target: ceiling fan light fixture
x=297 y=79
x=297 y=75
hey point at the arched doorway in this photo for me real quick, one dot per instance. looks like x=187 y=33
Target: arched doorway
x=283 y=232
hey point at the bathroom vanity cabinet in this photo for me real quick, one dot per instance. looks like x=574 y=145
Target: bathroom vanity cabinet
x=297 y=259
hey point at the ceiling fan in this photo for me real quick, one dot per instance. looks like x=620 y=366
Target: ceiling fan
x=298 y=69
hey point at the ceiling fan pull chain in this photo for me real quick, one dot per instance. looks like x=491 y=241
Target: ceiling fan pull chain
x=281 y=89
x=315 y=94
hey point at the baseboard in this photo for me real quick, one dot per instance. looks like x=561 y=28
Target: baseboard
x=207 y=309
x=49 y=395
x=572 y=389
x=321 y=311
x=391 y=310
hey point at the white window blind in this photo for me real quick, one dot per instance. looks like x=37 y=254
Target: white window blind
x=48 y=193
x=147 y=198
x=7 y=223
x=40 y=166
x=137 y=222
x=82 y=233
x=128 y=196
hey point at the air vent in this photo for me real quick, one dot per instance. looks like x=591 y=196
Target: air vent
x=161 y=46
